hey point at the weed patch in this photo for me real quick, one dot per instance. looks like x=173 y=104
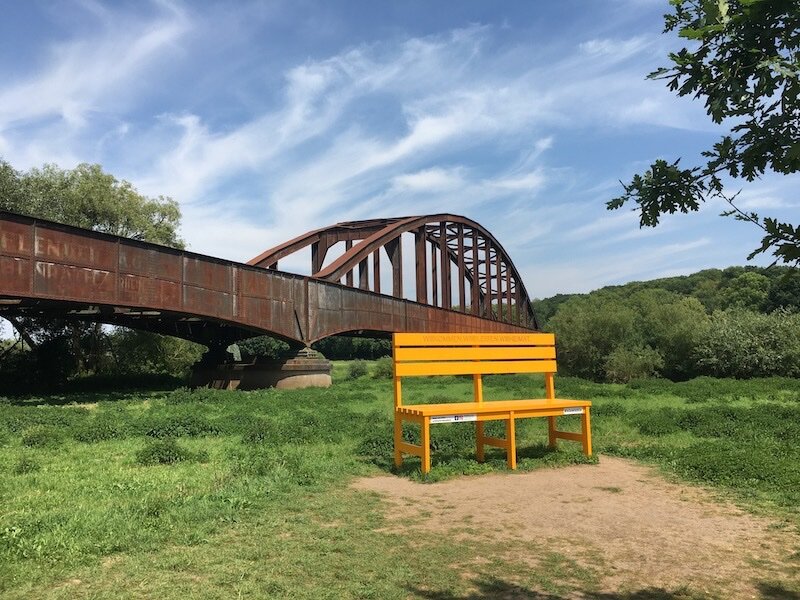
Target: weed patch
x=100 y=428
x=167 y=451
x=42 y=436
x=25 y=465
x=183 y=424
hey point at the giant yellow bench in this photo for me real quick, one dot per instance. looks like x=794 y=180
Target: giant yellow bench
x=478 y=354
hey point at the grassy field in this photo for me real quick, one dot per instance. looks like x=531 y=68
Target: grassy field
x=180 y=494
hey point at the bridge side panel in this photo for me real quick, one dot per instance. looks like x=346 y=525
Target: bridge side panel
x=150 y=277
x=16 y=249
x=272 y=301
x=207 y=288
x=71 y=266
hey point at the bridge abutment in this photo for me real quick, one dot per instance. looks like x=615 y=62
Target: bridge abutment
x=302 y=368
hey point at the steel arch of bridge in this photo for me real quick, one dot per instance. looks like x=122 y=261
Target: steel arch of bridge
x=462 y=252
x=50 y=269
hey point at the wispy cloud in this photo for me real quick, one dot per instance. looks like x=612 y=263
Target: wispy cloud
x=84 y=76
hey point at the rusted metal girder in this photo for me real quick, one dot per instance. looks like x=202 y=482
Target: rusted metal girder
x=497 y=292
x=52 y=269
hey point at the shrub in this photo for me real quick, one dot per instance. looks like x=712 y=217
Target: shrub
x=588 y=329
x=167 y=451
x=357 y=368
x=340 y=347
x=636 y=362
x=42 y=437
x=101 y=428
x=384 y=368
x=178 y=425
x=142 y=352
x=264 y=347
x=746 y=344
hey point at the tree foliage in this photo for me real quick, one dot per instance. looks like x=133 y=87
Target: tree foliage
x=741 y=343
x=88 y=197
x=744 y=63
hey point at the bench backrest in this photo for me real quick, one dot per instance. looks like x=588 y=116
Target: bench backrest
x=476 y=354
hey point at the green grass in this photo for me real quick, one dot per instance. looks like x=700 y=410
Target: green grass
x=216 y=494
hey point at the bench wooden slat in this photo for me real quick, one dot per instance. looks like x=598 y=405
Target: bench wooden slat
x=485 y=353
x=411 y=448
x=498 y=406
x=474 y=368
x=568 y=435
x=496 y=442
x=473 y=339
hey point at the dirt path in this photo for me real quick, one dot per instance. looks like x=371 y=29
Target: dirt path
x=649 y=532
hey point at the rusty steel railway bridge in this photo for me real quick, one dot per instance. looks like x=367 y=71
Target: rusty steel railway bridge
x=464 y=282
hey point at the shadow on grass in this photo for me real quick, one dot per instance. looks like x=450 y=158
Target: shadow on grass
x=497 y=589
x=91 y=390
x=776 y=591
x=453 y=463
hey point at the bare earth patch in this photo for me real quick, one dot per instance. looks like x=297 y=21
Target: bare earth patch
x=647 y=531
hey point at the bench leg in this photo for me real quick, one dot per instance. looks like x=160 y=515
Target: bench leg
x=511 y=438
x=398 y=438
x=586 y=424
x=551 y=432
x=426 y=445
x=479 y=452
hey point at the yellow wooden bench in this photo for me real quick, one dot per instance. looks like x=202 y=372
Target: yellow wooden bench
x=478 y=354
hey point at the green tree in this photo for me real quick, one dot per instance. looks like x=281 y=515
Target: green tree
x=588 y=329
x=744 y=62
x=784 y=291
x=742 y=343
x=88 y=197
x=636 y=362
x=671 y=325
x=137 y=352
x=748 y=290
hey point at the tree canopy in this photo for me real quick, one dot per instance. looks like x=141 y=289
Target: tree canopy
x=744 y=63
x=86 y=196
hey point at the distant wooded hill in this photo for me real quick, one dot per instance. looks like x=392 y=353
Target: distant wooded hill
x=754 y=288
x=736 y=322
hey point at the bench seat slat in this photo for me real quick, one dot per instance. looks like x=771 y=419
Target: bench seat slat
x=485 y=353
x=473 y=339
x=498 y=406
x=474 y=367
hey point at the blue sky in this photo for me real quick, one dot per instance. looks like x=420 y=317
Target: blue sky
x=267 y=119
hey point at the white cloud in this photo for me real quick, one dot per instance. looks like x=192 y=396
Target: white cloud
x=435 y=179
x=87 y=75
x=614 y=49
